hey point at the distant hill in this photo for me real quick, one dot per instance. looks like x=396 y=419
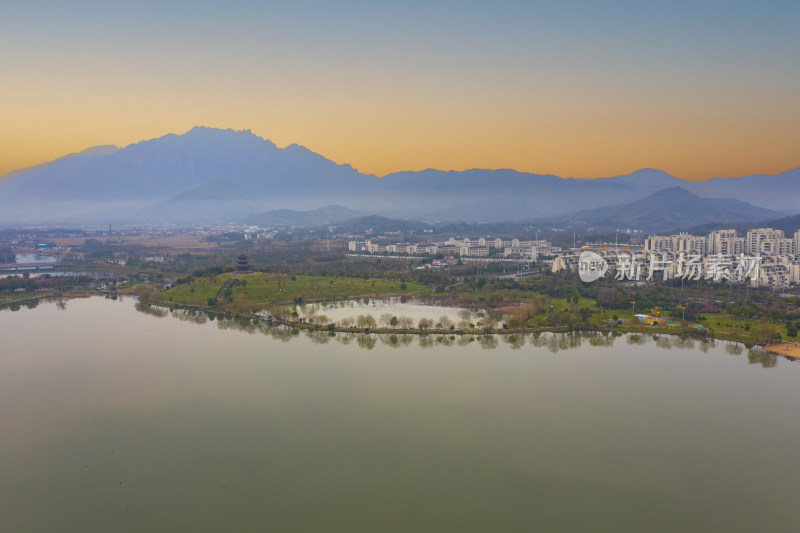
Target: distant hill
x=377 y=224
x=780 y=192
x=318 y=217
x=665 y=210
x=106 y=149
x=211 y=175
x=789 y=225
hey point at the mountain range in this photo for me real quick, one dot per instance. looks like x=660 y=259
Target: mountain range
x=673 y=208
x=210 y=175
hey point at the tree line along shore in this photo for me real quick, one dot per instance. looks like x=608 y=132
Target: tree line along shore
x=510 y=305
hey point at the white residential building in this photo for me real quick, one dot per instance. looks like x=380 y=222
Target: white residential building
x=756 y=238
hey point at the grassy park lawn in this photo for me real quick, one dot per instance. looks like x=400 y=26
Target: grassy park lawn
x=261 y=288
x=724 y=325
x=198 y=292
x=590 y=303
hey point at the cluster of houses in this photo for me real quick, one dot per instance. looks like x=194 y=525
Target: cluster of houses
x=254 y=233
x=528 y=250
x=763 y=257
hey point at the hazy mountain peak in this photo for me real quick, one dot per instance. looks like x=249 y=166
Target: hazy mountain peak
x=665 y=210
x=197 y=131
x=101 y=150
x=225 y=172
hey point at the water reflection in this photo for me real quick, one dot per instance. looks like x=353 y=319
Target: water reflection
x=757 y=356
x=396 y=341
x=733 y=348
x=553 y=342
x=366 y=341
x=152 y=310
x=514 y=341
x=16 y=306
x=402 y=313
x=167 y=418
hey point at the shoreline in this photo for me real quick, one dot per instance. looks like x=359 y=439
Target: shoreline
x=333 y=328
x=775 y=348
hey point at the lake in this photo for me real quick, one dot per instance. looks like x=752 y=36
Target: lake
x=119 y=420
x=408 y=308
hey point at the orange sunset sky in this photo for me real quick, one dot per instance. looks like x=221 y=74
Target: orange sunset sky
x=698 y=89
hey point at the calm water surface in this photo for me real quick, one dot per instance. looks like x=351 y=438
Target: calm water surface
x=118 y=420
x=336 y=311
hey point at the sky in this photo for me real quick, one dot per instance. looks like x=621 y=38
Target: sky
x=700 y=89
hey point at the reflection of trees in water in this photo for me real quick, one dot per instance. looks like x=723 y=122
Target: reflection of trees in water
x=464 y=340
x=61 y=304
x=557 y=341
x=733 y=348
x=514 y=341
x=635 y=339
x=487 y=342
x=563 y=342
x=426 y=341
x=152 y=310
x=706 y=343
x=250 y=326
x=280 y=333
x=575 y=340
x=757 y=356
x=554 y=342
x=684 y=343
x=598 y=339
x=319 y=336
x=195 y=317
x=539 y=340
x=254 y=326
x=663 y=341
x=366 y=341
x=392 y=341
x=16 y=306
x=345 y=338
x=446 y=340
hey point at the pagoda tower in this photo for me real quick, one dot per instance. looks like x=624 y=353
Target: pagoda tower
x=242 y=264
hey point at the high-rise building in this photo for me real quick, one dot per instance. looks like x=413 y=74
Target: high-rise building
x=725 y=241
x=757 y=238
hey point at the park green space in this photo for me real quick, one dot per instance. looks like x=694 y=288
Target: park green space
x=198 y=292
x=521 y=309
x=258 y=289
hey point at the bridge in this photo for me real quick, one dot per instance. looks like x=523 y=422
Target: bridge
x=26 y=267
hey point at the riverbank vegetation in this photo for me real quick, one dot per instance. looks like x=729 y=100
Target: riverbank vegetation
x=287 y=274
x=542 y=303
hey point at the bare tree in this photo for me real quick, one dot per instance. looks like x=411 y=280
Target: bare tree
x=405 y=322
x=386 y=319
x=489 y=323
x=444 y=322
x=365 y=321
